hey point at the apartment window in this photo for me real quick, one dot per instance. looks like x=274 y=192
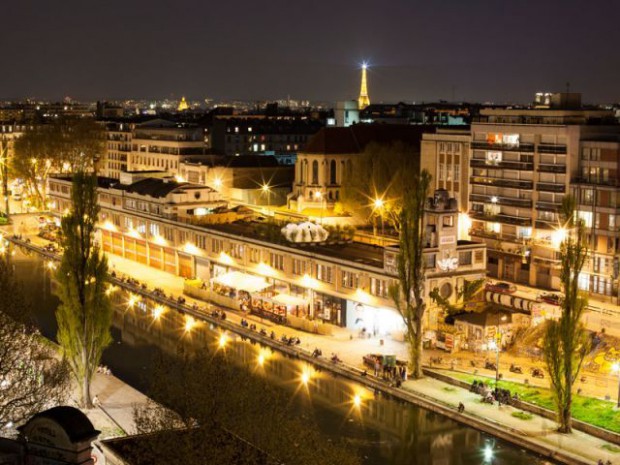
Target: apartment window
x=128 y=223
x=429 y=260
x=201 y=242
x=324 y=273
x=478 y=256
x=350 y=280
x=299 y=267
x=612 y=222
x=255 y=255
x=442 y=172
x=457 y=168
x=217 y=245
x=183 y=236
x=448 y=221
x=154 y=229
x=237 y=250
x=168 y=233
x=465 y=258
x=276 y=261
x=379 y=287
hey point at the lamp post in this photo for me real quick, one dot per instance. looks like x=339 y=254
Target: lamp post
x=379 y=206
x=318 y=195
x=616 y=369
x=497 y=345
x=267 y=189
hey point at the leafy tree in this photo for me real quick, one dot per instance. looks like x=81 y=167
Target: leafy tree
x=408 y=294
x=224 y=407
x=31 y=377
x=85 y=314
x=63 y=146
x=566 y=343
x=382 y=171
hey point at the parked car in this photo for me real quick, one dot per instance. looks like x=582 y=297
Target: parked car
x=501 y=287
x=550 y=298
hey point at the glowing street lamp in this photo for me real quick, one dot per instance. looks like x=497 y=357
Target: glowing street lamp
x=158 y=312
x=266 y=188
x=357 y=400
x=222 y=341
x=379 y=203
x=189 y=323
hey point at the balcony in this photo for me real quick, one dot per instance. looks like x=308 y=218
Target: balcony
x=509 y=165
x=503 y=147
x=550 y=187
x=545 y=168
x=508 y=201
x=548 y=206
x=501 y=182
x=505 y=219
x=596 y=182
x=545 y=224
x=551 y=148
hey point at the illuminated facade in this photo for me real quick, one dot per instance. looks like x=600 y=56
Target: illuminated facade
x=363 y=100
x=522 y=163
x=341 y=285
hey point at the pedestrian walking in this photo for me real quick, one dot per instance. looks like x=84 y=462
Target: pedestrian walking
x=377 y=366
x=461 y=407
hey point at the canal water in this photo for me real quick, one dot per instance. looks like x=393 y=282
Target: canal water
x=385 y=431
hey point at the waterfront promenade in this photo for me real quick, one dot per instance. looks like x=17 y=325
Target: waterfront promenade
x=535 y=434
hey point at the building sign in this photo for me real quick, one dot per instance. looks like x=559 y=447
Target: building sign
x=447 y=240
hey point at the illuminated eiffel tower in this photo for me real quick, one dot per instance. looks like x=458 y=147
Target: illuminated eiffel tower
x=363 y=101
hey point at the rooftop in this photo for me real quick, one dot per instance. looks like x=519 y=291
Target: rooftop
x=353 y=139
x=77 y=425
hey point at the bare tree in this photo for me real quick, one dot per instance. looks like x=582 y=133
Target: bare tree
x=32 y=377
x=381 y=172
x=566 y=343
x=408 y=294
x=63 y=146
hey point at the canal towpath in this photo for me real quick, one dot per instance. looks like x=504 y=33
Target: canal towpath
x=537 y=434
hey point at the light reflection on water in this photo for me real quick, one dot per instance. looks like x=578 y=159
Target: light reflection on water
x=385 y=431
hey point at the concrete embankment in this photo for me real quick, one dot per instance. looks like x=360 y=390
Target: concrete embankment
x=537 y=440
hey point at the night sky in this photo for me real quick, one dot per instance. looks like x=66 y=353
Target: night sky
x=496 y=50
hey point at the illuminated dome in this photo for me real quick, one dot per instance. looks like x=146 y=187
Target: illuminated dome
x=304 y=232
x=183 y=105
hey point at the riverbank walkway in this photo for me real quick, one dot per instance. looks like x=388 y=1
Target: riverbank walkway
x=536 y=433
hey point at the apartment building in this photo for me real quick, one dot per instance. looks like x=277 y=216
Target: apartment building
x=118 y=150
x=162 y=145
x=522 y=162
x=282 y=137
x=445 y=155
x=345 y=285
x=157 y=144
x=597 y=191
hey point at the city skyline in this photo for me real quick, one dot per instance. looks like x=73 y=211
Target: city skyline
x=476 y=52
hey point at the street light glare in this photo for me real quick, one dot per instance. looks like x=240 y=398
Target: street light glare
x=378 y=203
x=488 y=453
x=266 y=187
